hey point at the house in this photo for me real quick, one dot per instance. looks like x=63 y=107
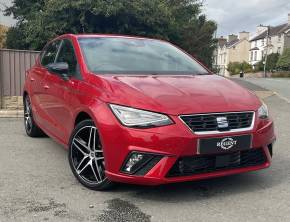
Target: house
x=233 y=49
x=278 y=40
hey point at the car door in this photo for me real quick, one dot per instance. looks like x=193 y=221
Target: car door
x=60 y=92
x=37 y=78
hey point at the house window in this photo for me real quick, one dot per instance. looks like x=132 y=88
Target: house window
x=279 y=50
x=252 y=55
x=256 y=43
x=279 y=38
x=263 y=53
x=263 y=42
x=255 y=57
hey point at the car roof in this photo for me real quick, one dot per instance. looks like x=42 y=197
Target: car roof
x=76 y=36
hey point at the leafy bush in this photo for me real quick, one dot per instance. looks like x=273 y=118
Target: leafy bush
x=284 y=60
x=271 y=62
x=237 y=67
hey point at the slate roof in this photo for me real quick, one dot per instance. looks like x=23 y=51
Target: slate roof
x=232 y=43
x=276 y=30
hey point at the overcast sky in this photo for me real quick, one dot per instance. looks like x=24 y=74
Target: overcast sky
x=232 y=16
x=4 y=20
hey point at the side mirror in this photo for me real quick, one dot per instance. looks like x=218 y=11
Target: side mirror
x=60 y=68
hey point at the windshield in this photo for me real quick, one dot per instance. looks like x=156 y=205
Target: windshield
x=113 y=55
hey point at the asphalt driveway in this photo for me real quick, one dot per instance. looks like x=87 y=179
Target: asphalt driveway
x=36 y=184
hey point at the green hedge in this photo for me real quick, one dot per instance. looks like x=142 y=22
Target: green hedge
x=284 y=60
x=271 y=62
x=237 y=67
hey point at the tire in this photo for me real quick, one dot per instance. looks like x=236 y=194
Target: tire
x=86 y=157
x=31 y=128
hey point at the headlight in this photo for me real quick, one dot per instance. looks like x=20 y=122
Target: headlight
x=139 y=118
x=263 y=112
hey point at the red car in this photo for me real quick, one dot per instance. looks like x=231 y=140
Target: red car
x=142 y=111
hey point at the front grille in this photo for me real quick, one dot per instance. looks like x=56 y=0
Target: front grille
x=208 y=122
x=186 y=166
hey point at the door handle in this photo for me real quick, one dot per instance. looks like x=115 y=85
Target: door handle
x=32 y=79
x=46 y=87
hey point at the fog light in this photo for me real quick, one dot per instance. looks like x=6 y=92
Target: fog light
x=134 y=159
x=135 y=162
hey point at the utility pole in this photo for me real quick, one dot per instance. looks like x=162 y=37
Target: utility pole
x=267 y=46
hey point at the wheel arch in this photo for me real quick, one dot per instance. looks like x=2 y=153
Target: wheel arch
x=25 y=93
x=81 y=116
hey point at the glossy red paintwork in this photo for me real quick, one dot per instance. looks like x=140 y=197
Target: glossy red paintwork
x=56 y=104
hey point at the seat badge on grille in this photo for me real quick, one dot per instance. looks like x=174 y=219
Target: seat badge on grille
x=222 y=122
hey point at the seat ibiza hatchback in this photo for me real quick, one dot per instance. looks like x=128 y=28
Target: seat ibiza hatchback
x=142 y=111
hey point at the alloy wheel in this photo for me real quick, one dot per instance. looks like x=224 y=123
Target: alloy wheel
x=28 y=115
x=87 y=155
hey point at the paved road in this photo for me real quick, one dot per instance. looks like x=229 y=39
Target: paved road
x=278 y=85
x=36 y=184
x=247 y=84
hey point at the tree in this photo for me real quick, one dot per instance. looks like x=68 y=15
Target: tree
x=284 y=60
x=178 y=21
x=16 y=39
x=3 y=32
x=271 y=62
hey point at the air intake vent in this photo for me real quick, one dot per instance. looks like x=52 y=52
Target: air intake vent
x=187 y=166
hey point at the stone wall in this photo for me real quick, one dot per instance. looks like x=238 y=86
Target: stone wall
x=11 y=103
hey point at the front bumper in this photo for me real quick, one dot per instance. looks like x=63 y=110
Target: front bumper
x=172 y=143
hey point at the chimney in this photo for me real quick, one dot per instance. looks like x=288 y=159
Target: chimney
x=288 y=18
x=244 y=35
x=222 y=41
x=260 y=29
x=232 y=37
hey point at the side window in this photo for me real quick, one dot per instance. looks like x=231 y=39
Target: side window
x=49 y=53
x=67 y=54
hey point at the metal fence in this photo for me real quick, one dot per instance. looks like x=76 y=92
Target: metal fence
x=13 y=64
